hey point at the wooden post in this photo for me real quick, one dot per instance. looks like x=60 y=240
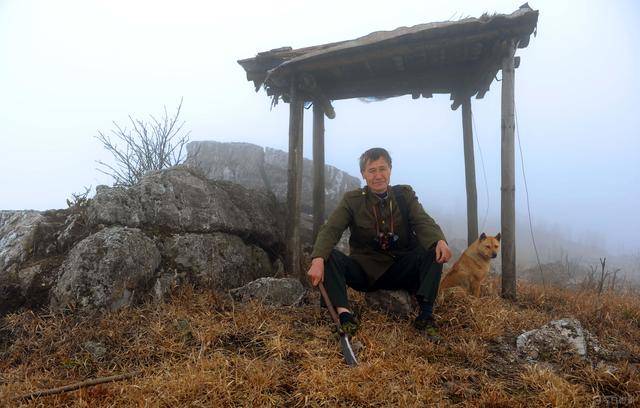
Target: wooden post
x=470 y=172
x=318 y=169
x=508 y=207
x=294 y=185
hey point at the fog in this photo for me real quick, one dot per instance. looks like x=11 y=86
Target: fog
x=70 y=68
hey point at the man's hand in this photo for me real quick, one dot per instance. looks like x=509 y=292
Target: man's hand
x=443 y=253
x=316 y=271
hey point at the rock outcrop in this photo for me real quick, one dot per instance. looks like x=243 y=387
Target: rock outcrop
x=254 y=167
x=128 y=244
x=31 y=248
x=179 y=201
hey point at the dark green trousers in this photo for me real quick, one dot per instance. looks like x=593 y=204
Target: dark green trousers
x=416 y=272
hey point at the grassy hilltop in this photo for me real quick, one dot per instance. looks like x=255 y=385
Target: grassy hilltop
x=200 y=349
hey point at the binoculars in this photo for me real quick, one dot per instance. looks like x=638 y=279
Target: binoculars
x=386 y=241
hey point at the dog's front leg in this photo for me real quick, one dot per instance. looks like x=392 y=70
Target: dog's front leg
x=475 y=288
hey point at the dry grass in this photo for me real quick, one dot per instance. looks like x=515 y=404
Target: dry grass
x=200 y=349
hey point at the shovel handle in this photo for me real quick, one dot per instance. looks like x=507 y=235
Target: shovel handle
x=332 y=311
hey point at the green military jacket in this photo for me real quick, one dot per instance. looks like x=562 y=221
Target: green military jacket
x=356 y=212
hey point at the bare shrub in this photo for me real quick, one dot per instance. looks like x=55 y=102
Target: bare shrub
x=79 y=200
x=149 y=145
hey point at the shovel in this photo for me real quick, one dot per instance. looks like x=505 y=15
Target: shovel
x=347 y=351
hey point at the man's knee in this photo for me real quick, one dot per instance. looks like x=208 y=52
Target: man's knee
x=336 y=256
x=336 y=262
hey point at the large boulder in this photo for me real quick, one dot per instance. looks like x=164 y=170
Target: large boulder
x=217 y=260
x=30 y=253
x=337 y=182
x=181 y=201
x=241 y=163
x=258 y=168
x=110 y=269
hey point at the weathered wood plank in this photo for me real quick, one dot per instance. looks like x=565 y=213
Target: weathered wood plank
x=508 y=212
x=318 y=169
x=294 y=185
x=393 y=48
x=470 y=172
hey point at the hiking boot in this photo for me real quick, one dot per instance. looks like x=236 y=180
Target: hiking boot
x=349 y=323
x=428 y=328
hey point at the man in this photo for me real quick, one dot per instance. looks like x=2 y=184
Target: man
x=388 y=250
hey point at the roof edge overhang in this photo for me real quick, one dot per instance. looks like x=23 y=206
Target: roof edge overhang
x=457 y=57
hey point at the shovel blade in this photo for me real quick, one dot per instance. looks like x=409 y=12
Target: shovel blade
x=347 y=351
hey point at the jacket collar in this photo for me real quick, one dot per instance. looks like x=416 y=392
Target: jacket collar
x=373 y=199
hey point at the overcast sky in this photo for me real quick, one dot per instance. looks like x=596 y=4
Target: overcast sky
x=70 y=68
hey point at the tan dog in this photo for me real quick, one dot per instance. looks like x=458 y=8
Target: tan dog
x=473 y=266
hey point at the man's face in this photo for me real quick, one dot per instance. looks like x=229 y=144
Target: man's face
x=377 y=174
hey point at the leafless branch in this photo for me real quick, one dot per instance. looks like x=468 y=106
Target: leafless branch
x=149 y=145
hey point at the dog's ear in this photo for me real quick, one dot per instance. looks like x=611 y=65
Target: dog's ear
x=498 y=236
x=483 y=236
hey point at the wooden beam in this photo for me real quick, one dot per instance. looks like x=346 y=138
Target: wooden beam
x=470 y=172
x=318 y=169
x=508 y=210
x=294 y=185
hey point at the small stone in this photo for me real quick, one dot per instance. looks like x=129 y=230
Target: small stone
x=557 y=336
x=271 y=291
x=96 y=349
x=357 y=346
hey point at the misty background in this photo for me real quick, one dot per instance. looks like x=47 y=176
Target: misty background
x=68 y=69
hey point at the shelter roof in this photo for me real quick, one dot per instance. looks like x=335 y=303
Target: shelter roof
x=457 y=57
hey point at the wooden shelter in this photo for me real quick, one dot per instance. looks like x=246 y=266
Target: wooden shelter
x=460 y=58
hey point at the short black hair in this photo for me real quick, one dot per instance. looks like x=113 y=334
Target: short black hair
x=374 y=154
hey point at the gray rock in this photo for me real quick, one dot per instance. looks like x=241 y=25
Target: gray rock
x=74 y=230
x=564 y=335
x=111 y=269
x=218 y=260
x=337 y=182
x=266 y=169
x=394 y=302
x=164 y=284
x=271 y=291
x=17 y=236
x=96 y=349
x=25 y=280
x=178 y=200
x=241 y=163
x=357 y=346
